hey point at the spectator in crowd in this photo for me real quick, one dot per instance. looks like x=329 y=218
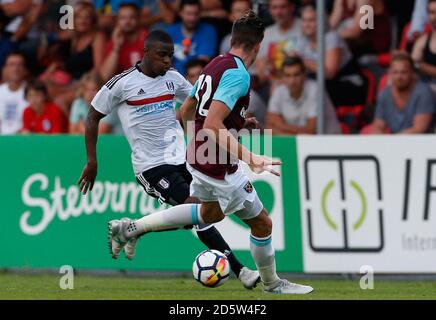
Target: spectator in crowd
x=127 y=43
x=41 y=116
x=112 y=6
x=107 y=11
x=158 y=14
x=237 y=9
x=257 y=108
x=80 y=53
x=216 y=13
x=12 y=9
x=194 y=69
x=369 y=41
x=89 y=86
x=18 y=29
x=292 y=108
x=342 y=14
x=424 y=50
x=341 y=72
x=279 y=39
x=12 y=100
x=192 y=39
x=407 y=105
x=215 y=8
x=83 y=50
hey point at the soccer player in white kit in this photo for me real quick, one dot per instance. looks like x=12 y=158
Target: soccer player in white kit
x=143 y=97
x=218 y=102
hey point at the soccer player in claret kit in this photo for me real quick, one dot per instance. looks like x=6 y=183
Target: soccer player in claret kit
x=143 y=96
x=218 y=102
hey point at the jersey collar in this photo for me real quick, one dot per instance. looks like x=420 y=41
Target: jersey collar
x=238 y=57
x=140 y=71
x=137 y=66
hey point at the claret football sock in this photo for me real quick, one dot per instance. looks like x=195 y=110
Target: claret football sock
x=211 y=237
x=263 y=255
x=174 y=217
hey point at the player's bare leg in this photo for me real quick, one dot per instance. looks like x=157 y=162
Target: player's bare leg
x=125 y=230
x=263 y=254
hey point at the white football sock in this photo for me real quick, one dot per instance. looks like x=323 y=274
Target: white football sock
x=263 y=255
x=174 y=217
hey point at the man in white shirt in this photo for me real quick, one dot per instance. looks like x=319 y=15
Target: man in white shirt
x=292 y=108
x=12 y=101
x=144 y=99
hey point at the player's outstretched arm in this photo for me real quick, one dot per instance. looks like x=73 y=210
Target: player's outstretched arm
x=87 y=179
x=214 y=123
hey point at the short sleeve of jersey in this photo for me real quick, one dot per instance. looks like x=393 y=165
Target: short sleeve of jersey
x=194 y=90
x=106 y=99
x=233 y=85
x=183 y=89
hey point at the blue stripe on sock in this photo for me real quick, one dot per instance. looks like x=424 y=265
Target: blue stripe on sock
x=194 y=214
x=260 y=243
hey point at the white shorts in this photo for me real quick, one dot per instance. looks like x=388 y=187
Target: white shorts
x=235 y=193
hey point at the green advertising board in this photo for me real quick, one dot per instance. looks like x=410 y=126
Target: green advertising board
x=46 y=223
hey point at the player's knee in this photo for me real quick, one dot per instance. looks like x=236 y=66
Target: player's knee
x=263 y=225
x=267 y=225
x=211 y=215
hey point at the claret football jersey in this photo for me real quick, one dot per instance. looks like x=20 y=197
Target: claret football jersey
x=225 y=79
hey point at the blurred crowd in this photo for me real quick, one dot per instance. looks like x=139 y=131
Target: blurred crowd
x=380 y=65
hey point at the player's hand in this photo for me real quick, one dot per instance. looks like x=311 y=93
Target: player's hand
x=87 y=179
x=251 y=123
x=261 y=164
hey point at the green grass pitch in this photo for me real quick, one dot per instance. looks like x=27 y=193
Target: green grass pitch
x=20 y=286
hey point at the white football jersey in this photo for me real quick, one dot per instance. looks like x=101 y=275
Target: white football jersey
x=145 y=107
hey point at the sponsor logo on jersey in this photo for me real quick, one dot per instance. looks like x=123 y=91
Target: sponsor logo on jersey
x=141 y=91
x=154 y=104
x=155 y=107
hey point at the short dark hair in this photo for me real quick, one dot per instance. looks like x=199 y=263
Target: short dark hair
x=130 y=5
x=36 y=85
x=291 y=61
x=195 y=63
x=308 y=6
x=247 y=31
x=247 y=1
x=184 y=3
x=157 y=36
x=290 y=2
x=405 y=57
x=16 y=53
